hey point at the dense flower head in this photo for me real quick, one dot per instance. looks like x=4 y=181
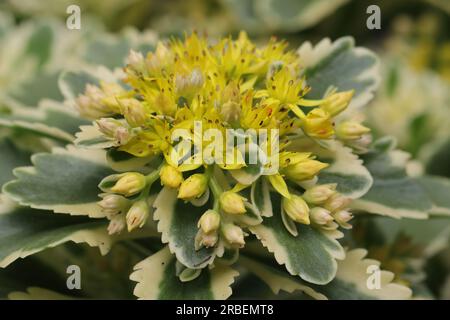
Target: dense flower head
x=238 y=90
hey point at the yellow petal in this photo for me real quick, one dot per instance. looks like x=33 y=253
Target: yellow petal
x=279 y=184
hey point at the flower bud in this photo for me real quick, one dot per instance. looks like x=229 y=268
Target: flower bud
x=232 y=203
x=297 y=209
x=351 y=130
x=129 y=184
x=319 y=194
x=137 y=215
x=170 y=177
x=187 y=85
x=135 y=61
x=233 y=234
x=207 y=240
x=209 y=221
x=317 y=124
x=342 y=216
x=114 y=129
x=134 y=112
x=336 y=202
x=337 y=102
x=193 y=187
x=320 y=215
x=113 y=204
x=304 y=170
x=117 y=224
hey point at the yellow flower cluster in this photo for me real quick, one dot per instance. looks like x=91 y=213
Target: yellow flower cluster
x=230 y=84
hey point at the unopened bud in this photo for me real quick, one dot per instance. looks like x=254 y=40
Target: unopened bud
x=113 y=204
x=134 y=111
x=207 y=240
x=193 y=187
x=319 y=194
x=209 y=221
x=337 y=102
x=337 y=202
x=233 y=234
x=351 y=130
x=297 y=209
x=117 y=224
x=320 y=215
x=137 y=215
x=232 y=203
x=318 y=124
x=342 y=217
x=129 y=183
x=170 y=177
x=304 y=170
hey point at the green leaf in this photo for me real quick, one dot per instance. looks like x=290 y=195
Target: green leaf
x=295 y=15
x=72 y=84
x=275 y=277
x=36 y=293
x=353 y=276
x=64 y=181
x=346 y=169
x=108 y=51
x=177 y=221
x=157 y=279
x=260 y=197
x=342 y=65
x=393 y=192
x=311 y=254
x=11 y=157
x=91 y=137
x=25 y=231
x=40 y=43
x=49 y=120
x=438 y=190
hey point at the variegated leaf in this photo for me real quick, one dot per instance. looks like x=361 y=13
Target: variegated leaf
x=65 y=181
x=311 y=255
x=177 y=221
x=25 y=231
x=156 y=279
x=341 y=65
